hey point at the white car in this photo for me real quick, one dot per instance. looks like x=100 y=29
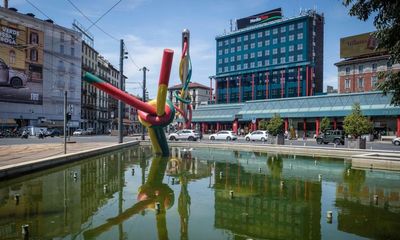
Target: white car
x=396 y=141
x=223 y=135
x=184 y=134
x=78 y=132
x=11 y=77
x=258 y=135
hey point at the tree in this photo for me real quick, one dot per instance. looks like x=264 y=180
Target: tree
x=387 y=22
x=274 y=126
x=356 y=124
x=262 y=124
x=325 y=124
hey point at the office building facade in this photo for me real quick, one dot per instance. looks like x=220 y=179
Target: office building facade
x=277 y=59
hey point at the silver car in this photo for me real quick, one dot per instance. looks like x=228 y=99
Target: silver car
x=258 y=135
x=223 y=135
x=184 y=134
x=11 y=77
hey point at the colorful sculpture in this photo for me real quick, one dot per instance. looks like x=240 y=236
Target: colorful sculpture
x=159 y=112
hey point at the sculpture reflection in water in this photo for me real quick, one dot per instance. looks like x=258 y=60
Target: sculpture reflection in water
x=157 y=196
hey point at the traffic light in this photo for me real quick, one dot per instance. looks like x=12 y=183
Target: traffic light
x=68 y=116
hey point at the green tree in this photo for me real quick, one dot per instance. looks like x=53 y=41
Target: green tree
x=386 y=16
x=275 y=125
x=262 y=124
x=325 y=124
x=356 y=124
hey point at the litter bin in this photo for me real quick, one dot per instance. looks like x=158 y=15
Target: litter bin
x=280 y=139
x=362 y=143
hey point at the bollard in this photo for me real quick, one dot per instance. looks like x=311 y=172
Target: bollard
x=231 y=194
x=304 y=144
x=173 y=181
x=133 y=172
x=334 y=145
x=376 y=199
x=282 y=184
x=371 y=167
x=329 y=216
x=25 y=231
x=158 y=207
x=259 y=170
x=16 y=198
x=348 y=172
x=220 y=175
x=319 y=177
x=105 y=188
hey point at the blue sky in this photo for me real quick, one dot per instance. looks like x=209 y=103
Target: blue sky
x=149 y=26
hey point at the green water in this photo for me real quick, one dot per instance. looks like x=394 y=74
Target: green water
x=115 y=196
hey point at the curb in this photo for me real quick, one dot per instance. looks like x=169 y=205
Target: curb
x=18 y=169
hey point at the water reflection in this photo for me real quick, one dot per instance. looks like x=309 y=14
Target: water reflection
x=131 y=194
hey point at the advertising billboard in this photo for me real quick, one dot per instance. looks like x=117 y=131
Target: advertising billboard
x=21 y=63
x=259 y=18
x=358 y=45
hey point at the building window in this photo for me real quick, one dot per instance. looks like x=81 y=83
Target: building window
x=252 y=65
x=283 y=39
x=259 y=54
x=232 y=50
x=300 y=46
x=291 y=58
x=259 y=34
x=347 y=83
x=374 y=67
x=252 y=55
x=347 y=70
x=246 y=56
x=245 y=66
x=220 y=44
x=252 y=45
x=361 y=83
x=274 y=41
x=267 y=33
x=226 y=60
x=238 y=39
x=238 y=57
x=259 y=63
x=291 y=38
x=283 y=60
x=291 y=27
x=226 y=42
x=34 y=38
x=232 y=59
x=238 y=67
x=12 y=57
x=374 y=81
x=245 y=47
x=291 y=48
x=267 y=62
x=232 y=41
x=275 y=51
x=34 y=55
x=300 y=36
x=72 y=52
x=266 y=53
x=226 y=51
x=219 y=52
x=283 y=29
x=220 y=61
x=259 y=44
x=239 y=48
x=232 y=68
x=225 y=69
x=220 y=69
x=72 y=40
x=283 y=49
x=267 y=43
x=299 y=57
x=300 y=25
x=360 y=68
x=246 y=37
x=274 y=31
x=275 y=61
x=62 y=37
x=252 y=36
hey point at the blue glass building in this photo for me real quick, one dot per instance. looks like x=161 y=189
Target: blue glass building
x=276 y=59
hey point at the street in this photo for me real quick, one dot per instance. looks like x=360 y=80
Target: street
x=375 y=145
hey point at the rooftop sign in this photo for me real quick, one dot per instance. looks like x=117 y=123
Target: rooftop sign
x=259 y=18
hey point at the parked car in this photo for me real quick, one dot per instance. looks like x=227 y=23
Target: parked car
x=78 y=132
x=184 y=134
x=11 y=77
x=396 y=141
x=331 y=136
x=90 y=131
x=257 y=136
x=223 y=135
x=53 y=133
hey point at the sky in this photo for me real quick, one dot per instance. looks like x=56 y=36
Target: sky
x=149 y=26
